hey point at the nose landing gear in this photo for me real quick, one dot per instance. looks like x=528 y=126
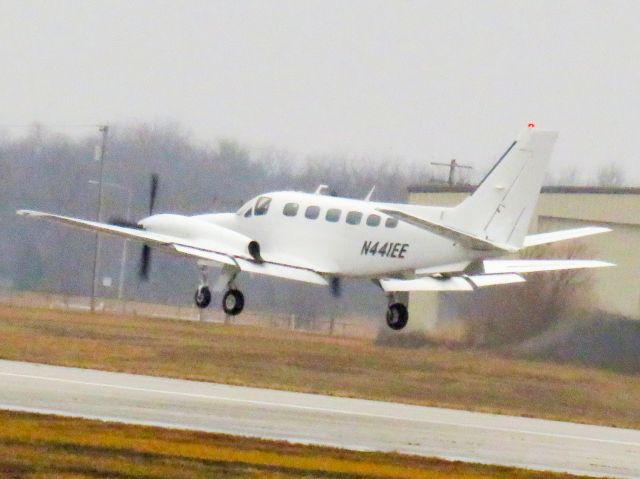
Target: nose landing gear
x=203 y=296
x=203 y=293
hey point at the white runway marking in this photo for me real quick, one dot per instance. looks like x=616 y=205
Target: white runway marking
x=321 y=409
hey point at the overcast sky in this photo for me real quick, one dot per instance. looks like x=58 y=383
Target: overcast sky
x=421 y=80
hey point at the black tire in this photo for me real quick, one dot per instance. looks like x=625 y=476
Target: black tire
x=233 y=302
x=202 y=297
x=397 y=316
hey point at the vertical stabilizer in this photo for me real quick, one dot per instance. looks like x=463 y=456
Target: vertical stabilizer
x=501 y=207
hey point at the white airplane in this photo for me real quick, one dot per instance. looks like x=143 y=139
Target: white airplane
x=319 y=239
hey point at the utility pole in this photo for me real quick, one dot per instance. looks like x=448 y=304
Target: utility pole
x=123 y=259
x=104 y=129
x=453 y=165
x=125 y=242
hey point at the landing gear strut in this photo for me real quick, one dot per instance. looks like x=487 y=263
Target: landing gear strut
x=397 y=315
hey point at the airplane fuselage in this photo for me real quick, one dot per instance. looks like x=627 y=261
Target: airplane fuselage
x=339 y=236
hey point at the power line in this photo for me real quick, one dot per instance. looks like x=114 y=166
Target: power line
x=51 y=125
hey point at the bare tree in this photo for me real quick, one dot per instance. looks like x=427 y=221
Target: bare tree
x=510 y=314
x=610 y=175
x=567 y=177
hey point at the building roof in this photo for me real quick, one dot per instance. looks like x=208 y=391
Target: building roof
x=592 y=190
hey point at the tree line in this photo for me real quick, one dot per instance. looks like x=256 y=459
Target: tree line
x=55 y=172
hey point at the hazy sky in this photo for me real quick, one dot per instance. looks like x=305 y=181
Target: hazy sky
x=419 y=80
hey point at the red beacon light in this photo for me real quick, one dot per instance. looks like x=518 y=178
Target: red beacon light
x=531 y=125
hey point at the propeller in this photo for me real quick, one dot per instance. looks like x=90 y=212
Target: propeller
x=145 y=262
x=145 y=254
x=153 y=192
x=336 y=287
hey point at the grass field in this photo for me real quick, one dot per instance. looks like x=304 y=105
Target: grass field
x=280 y=359
x=36 y=446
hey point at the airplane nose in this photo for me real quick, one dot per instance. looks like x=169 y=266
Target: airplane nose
x=147 y=222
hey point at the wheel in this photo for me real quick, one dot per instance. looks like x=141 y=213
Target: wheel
x=397 y=316
x=233 y=302
x=203 y=297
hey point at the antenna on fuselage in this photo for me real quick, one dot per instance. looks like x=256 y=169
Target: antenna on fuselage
x=368 y=197
x=321 y=189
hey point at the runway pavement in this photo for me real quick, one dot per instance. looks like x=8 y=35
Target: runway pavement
x=314 y=419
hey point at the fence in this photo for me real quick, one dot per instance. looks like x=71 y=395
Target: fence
x=352 y=326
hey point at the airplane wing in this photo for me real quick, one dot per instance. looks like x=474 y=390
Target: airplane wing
x=453 y=283
x=500 y=266
x=212 y=252
x=496 y=272
x=465 y=239
x=267 y=268
x=546 y=238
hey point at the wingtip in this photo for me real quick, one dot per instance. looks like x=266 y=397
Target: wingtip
x=31 y=213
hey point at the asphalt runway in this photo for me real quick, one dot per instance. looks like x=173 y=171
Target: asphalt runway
x=314 y=419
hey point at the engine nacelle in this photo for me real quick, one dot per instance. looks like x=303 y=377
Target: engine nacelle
x=203 y=234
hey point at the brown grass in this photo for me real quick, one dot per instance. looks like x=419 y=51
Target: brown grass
x=39 y=446
x=280 y=359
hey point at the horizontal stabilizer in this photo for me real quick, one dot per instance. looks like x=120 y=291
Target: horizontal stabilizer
x=496 y=272
x=535 y=265
x=465 y=239
x=546 y=238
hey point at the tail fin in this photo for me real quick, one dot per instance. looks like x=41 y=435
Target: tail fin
x=501 y=208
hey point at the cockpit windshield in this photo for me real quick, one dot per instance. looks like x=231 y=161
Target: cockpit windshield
x=261 y=207
x=246 y=208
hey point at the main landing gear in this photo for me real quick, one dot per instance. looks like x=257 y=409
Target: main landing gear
x=232 y=300
x=397 y=316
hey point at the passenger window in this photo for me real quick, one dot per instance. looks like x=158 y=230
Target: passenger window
x=312 y=212
x=354 y=217
x=262 y=205
x=391 y=223
x=373 y=220
x=248 y=213
x=333 y=215
x=290 y=209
